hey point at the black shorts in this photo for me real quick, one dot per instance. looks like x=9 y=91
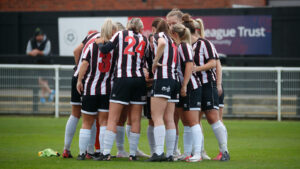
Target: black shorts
x=166 y=88
x=210 y=98
x=75 y=96
x=192 y=101
x=129 y=91
x=93 y=104
x=147 y=106
x=221 y=98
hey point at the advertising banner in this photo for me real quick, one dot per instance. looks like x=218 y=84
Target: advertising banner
x=72 y=30
x=231 y=35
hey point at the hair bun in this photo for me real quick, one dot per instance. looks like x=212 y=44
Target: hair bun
x=186 y=18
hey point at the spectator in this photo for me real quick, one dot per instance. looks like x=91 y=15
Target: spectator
x=40 y=45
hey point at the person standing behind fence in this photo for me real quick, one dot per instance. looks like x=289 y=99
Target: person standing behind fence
x=40 y=45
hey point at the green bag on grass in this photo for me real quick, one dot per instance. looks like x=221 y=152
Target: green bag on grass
x=48 y=152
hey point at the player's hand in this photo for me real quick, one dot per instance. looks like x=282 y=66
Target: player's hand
x=146 y=73
x=195 y=69
x=183 y=91
x=99 y=40
x=220 y=90
x=154 y=66
x=79 y=87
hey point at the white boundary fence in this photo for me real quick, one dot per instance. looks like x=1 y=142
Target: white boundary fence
x=268 y=79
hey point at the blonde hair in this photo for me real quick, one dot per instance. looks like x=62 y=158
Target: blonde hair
x=107 y=29
x=120 y=26
x=175 y=12
x=135 y=24
x=200 y=27
x=183 y=32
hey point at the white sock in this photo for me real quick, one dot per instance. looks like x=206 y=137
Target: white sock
x=151 y=140
x=120 y=138
x=84 y=139
x=187 y=140
x=159 y=136
x=170 y=141
x=109 y=138
x=176 y=143
x=90 y=148
x=197 y=138
x=128 y=128
x=133 y=142
x=70 y=131
x=202 y=144
x=221 y=135
x=101 y=138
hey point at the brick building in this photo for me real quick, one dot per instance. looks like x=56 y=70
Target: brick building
x=93 y=5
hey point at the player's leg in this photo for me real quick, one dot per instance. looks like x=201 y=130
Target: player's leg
x=120 y=138
x=158 y=107
x=187 y=134
x=90 y=149
x=192 y=107
x=134 y=136
x=97 y=143
x=203 y=152
x=119 y=98
x=73 y=119
x=147 y=113
x=211 y=112
x=89 y=112
x=170 y=130
x=176 y=120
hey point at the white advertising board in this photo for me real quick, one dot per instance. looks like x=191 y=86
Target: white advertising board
x=72 y=30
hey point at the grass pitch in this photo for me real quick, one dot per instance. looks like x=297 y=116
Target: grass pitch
x=252 y=144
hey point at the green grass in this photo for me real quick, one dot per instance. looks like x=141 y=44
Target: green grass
x=252 y=144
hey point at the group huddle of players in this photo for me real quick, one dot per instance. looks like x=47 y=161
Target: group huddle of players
x=173 y=74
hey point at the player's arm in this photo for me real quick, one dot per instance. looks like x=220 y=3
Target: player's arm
x=209 y=54
x=160 y=49
x=110 y=45
x=187 y=57
x=82 y=71
x=77 y=52
x=219 y=76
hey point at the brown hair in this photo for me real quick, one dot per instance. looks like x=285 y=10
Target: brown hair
x=188 y=22
x=156 y=22
x=200 y=27
x=120 y=26
x=183 y=32
x=163 y=27
x=135 y=24
x=175 y=12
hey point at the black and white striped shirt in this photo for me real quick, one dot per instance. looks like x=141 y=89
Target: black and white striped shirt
x=185 y=52
x=204 y=51
x=86 y=42
x=131 y=53
x=98 y=77
x=169 y=60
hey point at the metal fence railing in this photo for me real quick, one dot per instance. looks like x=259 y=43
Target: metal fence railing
x=272 y=92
